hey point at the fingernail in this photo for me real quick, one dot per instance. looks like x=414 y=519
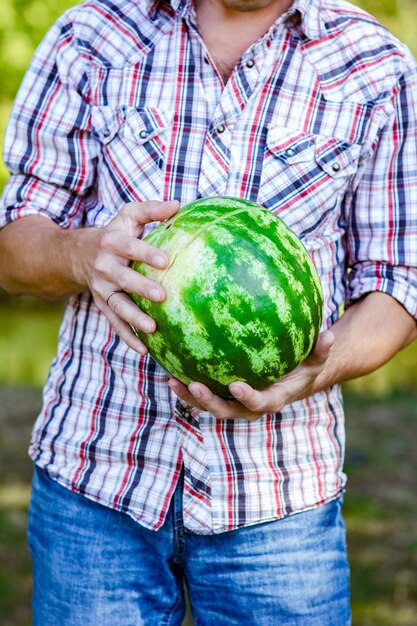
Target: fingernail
x=155 y=294
x=237 y=392
x=149 y=326
x=159 y=261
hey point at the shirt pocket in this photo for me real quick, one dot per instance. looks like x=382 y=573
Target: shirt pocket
x=132 y=158
x=305 y=177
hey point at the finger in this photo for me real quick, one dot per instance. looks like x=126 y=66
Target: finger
x=219 y=407
x=258 y=402
x=134 y=282
x=322 y=348
x=122 y=308
x=125 y=332
x=141 y=213
x=123 y=245
x=182 y=392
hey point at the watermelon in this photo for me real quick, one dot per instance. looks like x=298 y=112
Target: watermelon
x=244 y=301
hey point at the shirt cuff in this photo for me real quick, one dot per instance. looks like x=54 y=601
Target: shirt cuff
x=397 y=281
x=24 y=195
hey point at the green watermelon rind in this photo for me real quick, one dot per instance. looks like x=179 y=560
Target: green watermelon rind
x=262 y=312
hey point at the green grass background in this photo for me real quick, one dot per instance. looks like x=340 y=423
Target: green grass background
x=381 y=409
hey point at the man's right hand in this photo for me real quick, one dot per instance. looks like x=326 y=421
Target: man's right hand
x=108 y=270
x=39 y=258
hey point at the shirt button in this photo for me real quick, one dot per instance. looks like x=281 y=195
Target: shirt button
x=290 y=152
x=336 y=167
x=106 y=132
x=220 y=129
x=250 y=63
x=143 y=134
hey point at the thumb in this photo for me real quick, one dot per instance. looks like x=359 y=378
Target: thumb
x=141 y=213
x=321 y=348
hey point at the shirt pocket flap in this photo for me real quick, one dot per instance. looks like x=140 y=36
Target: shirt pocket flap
x=134 y=124
x=106 y=121
x=144 y=124
x=336 y=156
x=290 y=146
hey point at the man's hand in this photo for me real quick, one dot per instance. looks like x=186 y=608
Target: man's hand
x=39 y=258
x=251 y=404
x=107 y=269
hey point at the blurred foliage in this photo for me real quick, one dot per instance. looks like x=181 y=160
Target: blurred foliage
x=380 y=510
x=28 y=340
x=23 y=24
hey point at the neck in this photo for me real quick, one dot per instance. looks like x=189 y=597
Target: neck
x=229 y=27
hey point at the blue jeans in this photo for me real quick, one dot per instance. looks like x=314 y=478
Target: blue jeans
x=93 y=566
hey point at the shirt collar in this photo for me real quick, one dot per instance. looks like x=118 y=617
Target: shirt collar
x=180 y=7
x=306 y=14
x=310 y=17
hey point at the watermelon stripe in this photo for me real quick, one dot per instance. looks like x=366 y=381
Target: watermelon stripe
x=244 y=301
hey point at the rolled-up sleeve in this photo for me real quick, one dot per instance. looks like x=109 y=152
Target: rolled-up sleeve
x=49 y=149
x=382 y=233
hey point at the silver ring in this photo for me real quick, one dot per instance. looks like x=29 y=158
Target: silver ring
x=112 y=294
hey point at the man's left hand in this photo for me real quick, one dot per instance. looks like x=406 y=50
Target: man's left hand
x=251 y=404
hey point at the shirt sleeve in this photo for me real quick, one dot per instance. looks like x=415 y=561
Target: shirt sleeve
x=382 y=229
x=49 y=148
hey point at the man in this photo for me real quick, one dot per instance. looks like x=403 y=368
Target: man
x=128 y=110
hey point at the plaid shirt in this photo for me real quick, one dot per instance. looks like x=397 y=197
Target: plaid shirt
x=317 y=122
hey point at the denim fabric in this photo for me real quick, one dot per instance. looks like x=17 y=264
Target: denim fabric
x=94 y=566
